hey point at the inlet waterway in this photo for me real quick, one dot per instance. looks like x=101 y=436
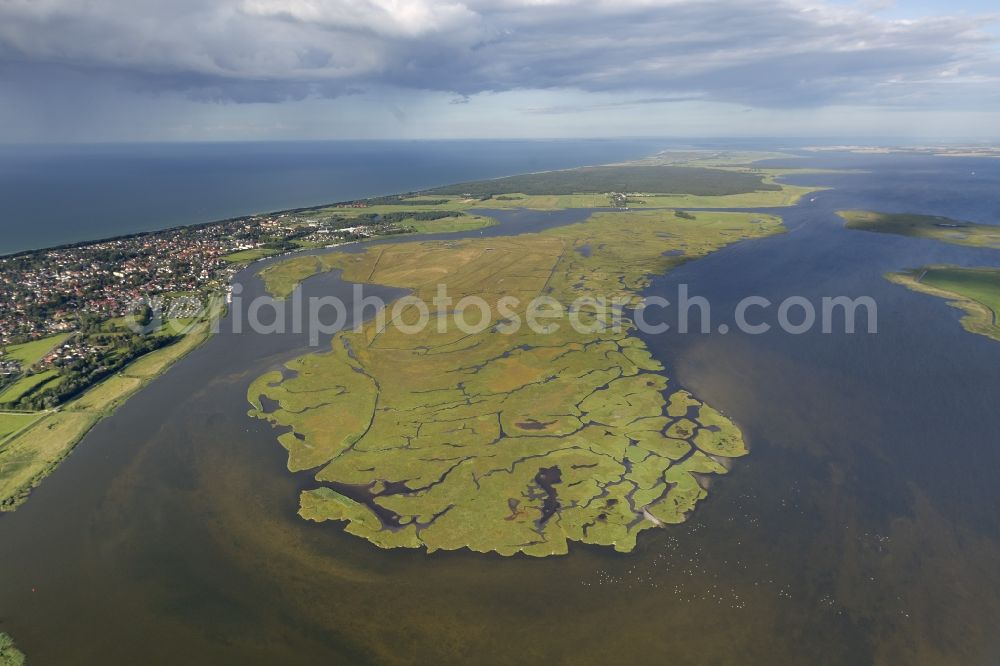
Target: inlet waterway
x=861 y=528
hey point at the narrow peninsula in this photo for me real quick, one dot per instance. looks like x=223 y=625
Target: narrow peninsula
x=930 y=227
x=976 y=291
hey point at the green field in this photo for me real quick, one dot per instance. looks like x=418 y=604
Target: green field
x=924 y=226
x=32 y=352
x=504 y=440
x=625 y=178
x=13 y=422
x=26 y=385
x=246 y=256
x=29 y=454
x=29 y=457
x=980 y=285
x=448 y=224
x=733 y=183
x=973 y=290
x=449 y=204
x=282 y=278
x=787 y=195
x=9 y=654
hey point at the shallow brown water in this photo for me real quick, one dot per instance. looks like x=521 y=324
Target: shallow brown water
x=862 y=528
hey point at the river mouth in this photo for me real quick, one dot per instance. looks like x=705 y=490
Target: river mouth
x=858 y=511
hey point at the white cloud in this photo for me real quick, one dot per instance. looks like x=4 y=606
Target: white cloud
x=391 y=18
x=764 y=53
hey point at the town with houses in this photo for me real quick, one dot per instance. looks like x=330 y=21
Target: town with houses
x=67 y=294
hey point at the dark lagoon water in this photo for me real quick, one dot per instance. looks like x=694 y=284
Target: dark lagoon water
x=863 y=527
x=51 y=195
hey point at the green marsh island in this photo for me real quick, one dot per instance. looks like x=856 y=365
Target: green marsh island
x=504 y=441
x=931 y=227
x=509 y=440
x=976 y=291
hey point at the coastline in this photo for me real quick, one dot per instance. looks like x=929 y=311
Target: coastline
x=787 y=196
x=151 y=186
x=978 y=319
x=36 y=450
x=67 y=425
x=177 y=227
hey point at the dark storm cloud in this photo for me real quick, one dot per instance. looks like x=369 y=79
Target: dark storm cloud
x=780 y=53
